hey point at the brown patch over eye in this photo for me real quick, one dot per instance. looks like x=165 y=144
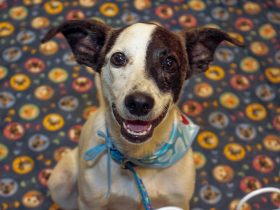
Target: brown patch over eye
x=170 y=64
x=166 y=61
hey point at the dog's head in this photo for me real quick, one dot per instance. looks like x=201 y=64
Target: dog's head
x=142 y=66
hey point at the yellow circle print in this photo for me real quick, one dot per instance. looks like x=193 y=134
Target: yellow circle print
x=58 y=75
x=252 y=8
x=229 y=100
x=259 y=48
x=215 y=73
x=199 y=160
x=256 y=112
x=23 y=164
x=29 y=112
x=234 y=152
x=6 y=29
x=267 y=31
x=203 y=90
x=197 y=5
x=3 y=152
x=273 y=74
x=44 y=92
x=233 y=205
x=87 y=3
x=40 y=22
x=3 y=72
x=20 y=82
x=32 y=2
x=249 y=65
x=18 y=13
x=272 y=143
x=53 y=122
x=208 y=140
x=53 y=7
x=109 y=9
x=49 y=48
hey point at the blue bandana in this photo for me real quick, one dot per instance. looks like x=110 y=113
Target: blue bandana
x=180 y=139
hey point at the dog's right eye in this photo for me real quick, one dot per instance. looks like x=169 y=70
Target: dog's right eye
x=170 y=64
x=118 y=59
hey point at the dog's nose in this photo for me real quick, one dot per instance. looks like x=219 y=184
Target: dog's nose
x=139 y=103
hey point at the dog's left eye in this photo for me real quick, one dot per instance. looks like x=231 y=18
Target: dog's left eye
x=118 y=59
x=170 y=64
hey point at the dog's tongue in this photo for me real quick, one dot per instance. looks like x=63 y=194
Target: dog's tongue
x=137 y=126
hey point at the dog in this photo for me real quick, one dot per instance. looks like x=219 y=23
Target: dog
x=140 y=69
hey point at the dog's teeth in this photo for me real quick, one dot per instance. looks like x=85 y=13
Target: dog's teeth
x=137 y=133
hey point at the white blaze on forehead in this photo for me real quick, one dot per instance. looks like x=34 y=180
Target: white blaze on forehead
x=134 y=40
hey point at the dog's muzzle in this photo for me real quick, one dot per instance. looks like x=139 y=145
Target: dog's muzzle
x=137 y=131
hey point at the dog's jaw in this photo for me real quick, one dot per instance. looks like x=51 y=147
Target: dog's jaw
x=137 y=131
x=159 y=136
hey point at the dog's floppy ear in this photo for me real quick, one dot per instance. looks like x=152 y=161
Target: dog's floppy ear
x=85 y=37
x=201 y=44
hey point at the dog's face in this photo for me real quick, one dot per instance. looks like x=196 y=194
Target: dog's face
x=142 y=76
x=142 y=66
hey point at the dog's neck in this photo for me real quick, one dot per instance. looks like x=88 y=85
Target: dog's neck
x=138 y=151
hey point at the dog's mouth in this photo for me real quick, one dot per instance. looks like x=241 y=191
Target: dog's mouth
x=137 y=131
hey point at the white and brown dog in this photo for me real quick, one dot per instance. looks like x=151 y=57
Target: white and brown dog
x=142 y=68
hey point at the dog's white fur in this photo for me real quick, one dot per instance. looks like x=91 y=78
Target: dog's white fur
x=77 y=184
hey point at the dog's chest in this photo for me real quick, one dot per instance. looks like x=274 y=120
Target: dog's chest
x=124 y=190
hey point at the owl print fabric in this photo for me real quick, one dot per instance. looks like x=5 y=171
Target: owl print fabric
x=45 y=97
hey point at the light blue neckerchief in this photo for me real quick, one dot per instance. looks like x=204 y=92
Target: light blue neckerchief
x=180 y=139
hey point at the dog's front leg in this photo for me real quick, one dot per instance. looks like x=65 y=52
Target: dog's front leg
x=63 y=181
x=93 y=204
x=187 y=206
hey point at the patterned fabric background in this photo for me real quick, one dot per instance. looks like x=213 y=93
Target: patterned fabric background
x=45 y=97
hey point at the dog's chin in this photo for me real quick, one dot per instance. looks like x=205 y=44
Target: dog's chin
x=137 y=131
